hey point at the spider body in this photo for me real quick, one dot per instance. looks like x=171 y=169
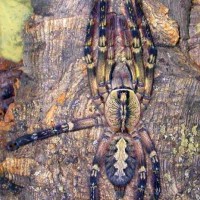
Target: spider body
x=121 y=88
x=120 y=82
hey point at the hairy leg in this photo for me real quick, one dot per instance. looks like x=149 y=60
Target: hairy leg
x=150 y=148
x=136 y=47
x=152 y=52
x=142 y=172
x=95 y=172
x=72 y=126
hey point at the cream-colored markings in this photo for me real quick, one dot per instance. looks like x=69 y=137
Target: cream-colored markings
x=111 y=108
x=121 y=157
x=153 y=156
x=89 y=42
x=88 y=57
x=151 y=62
x=150 y=66
x=71 y=126
x=128 y=55
x=95 y=169
x=142 y=172
x=89 y=61
x=103 y=46
x=123 y=99
x=110 y=58
x=102 y=39
x=136 y=42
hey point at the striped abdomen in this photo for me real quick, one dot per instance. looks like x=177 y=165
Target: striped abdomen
x=120 y=161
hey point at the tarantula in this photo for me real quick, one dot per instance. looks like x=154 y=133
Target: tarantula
x=120 y=81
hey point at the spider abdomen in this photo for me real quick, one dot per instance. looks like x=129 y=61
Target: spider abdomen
x=122 y=110
x=120 y=161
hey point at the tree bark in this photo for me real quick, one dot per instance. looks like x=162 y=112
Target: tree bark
x=54 y=89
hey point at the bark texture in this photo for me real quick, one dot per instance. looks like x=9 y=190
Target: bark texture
x=54 y=88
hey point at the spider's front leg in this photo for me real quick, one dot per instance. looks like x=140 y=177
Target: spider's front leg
x=152 y=52
x=136 y=48
x=141 y=35
x=96 y=70
x=150 y=148
x=71 y=126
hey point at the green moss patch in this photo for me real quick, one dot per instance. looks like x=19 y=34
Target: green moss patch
x=12 y=17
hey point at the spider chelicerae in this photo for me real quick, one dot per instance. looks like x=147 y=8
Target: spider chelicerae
x=120 y=81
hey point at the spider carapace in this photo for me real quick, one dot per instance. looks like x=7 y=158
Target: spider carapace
x=120 y=80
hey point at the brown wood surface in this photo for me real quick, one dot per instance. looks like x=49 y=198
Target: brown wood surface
x=54 y=88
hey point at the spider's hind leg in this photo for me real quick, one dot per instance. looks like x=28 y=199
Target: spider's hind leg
x=142 y=172
x=95 y=172
x=150 y=149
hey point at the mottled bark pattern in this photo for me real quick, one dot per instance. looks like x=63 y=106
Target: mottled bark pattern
x=55 y=89
x=194 y=32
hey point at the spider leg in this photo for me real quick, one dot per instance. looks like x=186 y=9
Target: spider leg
x=6 y=184
x=95 y=172
x=72 y=126
x=88 y=51
x=142 y=172
x=149 y=146
x=136 y=47
x=102 y=68
x=152 y=52
x=126 y=35
x=102 y=46
x=96 y=74
x=111 y=23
